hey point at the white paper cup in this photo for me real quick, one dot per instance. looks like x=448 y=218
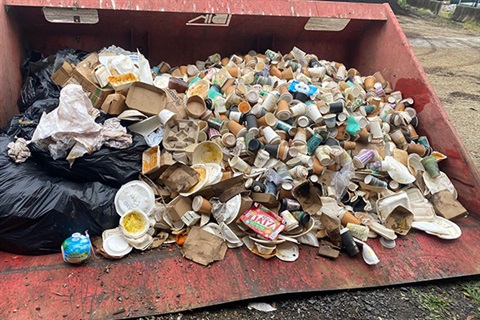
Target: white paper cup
x=323 y=156
x=252 y=96
x=271 y=136
x=166 y=115
x=235 y=116
x=261 y=158
x=362 y=121
x=314 y=113
x=298 y=109
x=330 y=120
x=376 y=130
x=270 y=102
x=240 y=165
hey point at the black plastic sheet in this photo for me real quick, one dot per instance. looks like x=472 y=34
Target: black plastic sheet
x=39 y=211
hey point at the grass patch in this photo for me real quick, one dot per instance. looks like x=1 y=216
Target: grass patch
x=472 y=25
x=472 y=291
x=435 y=304
x=403 y=4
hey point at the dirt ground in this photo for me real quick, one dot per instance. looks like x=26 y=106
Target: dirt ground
x=450 y=56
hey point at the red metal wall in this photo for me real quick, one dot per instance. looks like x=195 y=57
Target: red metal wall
x=10 y=58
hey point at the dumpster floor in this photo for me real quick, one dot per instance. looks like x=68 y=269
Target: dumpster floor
x=162 y=281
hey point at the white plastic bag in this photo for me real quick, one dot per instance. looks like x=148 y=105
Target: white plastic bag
x=145 y=73
x=72 y=126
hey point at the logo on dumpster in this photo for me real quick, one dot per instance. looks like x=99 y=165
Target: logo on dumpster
x=210 y=19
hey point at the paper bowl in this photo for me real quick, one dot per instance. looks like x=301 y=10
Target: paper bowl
x=116 y=246
x=207 y=152
x=134 y=224
x=195 y=107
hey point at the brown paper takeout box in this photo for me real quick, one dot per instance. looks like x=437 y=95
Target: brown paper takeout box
x=178 y=207
x=146 y=98
x=114 y=104
x=179 y=177
x=447 y=206
x=155 y=163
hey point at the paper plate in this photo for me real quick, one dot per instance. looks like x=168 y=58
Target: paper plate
x=304 y=231
x=213 y=228
x=134 y=195
x=440 y=183
x=266 y=242
x=287 y=251
x=228 y=235
x=250 y=244
x=132 y=115
x=451 y=227
x=116 y=246
x=415 y=164
x=214 y=173
x=233 y=206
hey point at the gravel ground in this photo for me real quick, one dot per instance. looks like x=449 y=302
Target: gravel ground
x=450 y=56
x=445 y=300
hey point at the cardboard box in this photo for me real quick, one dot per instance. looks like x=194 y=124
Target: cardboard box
x=178 y=207
x=62 y=75
x=114 y=104
x=96 y=94
x=146 y=98
x=267 y=199
x=86 y=68
x=82 y=74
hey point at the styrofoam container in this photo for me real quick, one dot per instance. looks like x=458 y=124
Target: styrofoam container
x=134 y=195
x=134 y=224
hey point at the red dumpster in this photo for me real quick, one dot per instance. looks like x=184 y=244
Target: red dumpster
x=161 y=281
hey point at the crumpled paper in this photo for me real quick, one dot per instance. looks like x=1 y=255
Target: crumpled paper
x=71 y=131
x=18 y=150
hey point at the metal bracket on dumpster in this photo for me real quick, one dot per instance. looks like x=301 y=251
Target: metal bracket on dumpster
x=70 y=15
x=211 y=20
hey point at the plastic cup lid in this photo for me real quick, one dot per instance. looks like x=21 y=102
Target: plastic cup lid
x=116 y=246
x=134 y=195
x=390 y=244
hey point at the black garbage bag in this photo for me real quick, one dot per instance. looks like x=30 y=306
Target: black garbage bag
x=38 y=211
x=24 y=125
x=37 y=71
x=110 y=166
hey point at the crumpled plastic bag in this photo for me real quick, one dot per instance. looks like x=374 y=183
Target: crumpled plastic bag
x=71 y=131
x=115 y=135
x=341 y=179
